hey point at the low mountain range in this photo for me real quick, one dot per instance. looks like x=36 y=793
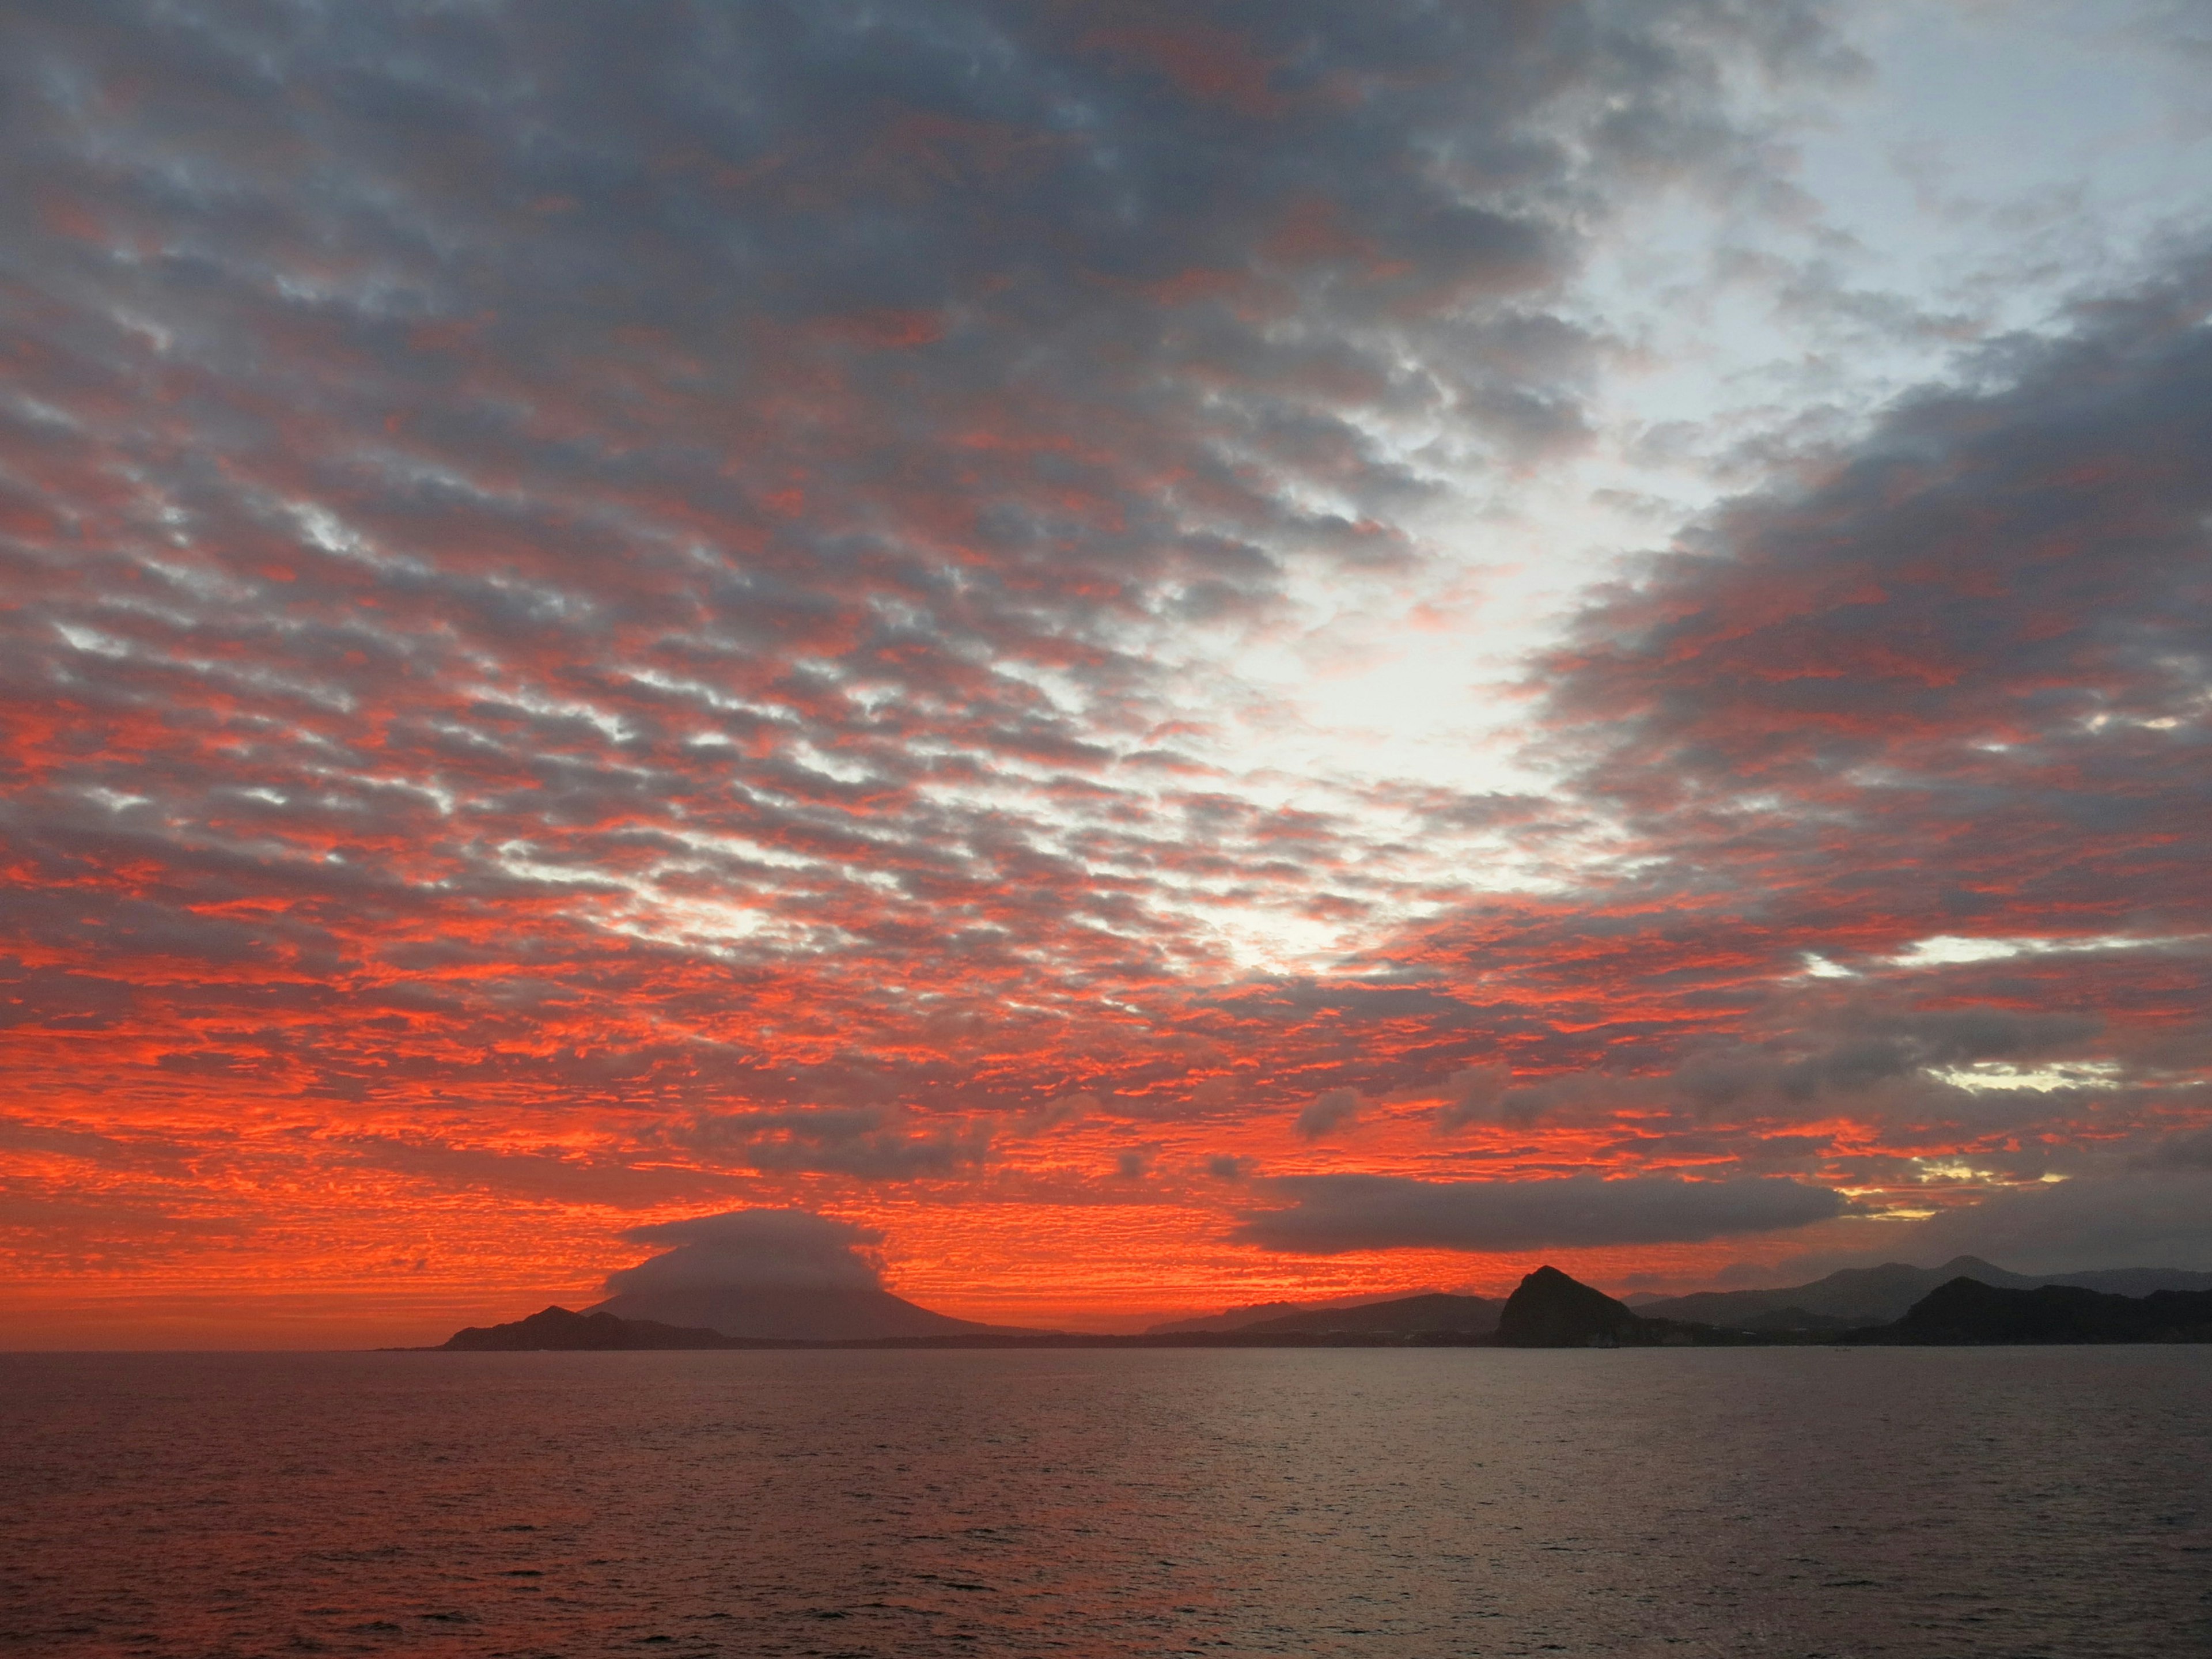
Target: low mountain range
x=1257 y=1313
x=1847 y=1300
x=1410 y=1316
x=1841 y=1301
x=1965 y=1300
x=1965 y=1311
x=1874 y=1296
x=1548 y=1309
x=560 y=1329
x=1551 y=1311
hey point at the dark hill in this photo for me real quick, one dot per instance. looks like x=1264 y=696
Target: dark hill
x=1548 y=1310
x=1967 y=1311
x=558 y=1328
x=1260 y=1313
x=843 y=1313
x=1412 y=1315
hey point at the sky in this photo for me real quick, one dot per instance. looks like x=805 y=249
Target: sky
x=1153 y=655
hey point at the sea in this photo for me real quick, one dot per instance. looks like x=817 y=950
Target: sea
x=1397 y=1503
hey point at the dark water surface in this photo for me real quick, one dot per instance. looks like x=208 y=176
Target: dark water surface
x=1776 y=1501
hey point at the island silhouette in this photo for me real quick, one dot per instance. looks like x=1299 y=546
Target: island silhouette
x=1549 y=1309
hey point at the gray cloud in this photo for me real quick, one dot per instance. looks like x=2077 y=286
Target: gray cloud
x=544 y=1176
x=2136 y=1218
x=531 y=518
x=1876 y=1060
x=662 y=563
x=1804 y=666
x=865 y=1143
x=1330 y=1214
x=1327 y=1112
x=2187 y=1151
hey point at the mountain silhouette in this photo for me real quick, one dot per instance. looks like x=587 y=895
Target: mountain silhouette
x=1548 y=1310
x=1967 y=1311
x=563 y=1329
x=1257 y=1313
x=1411 y=1315
x=821 y=1313
x=1877 y=1296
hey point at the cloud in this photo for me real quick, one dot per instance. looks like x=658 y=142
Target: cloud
x=1329 y=1214
x=1985 y=607
x=1472 y=1095
x=1800 y=1056
x=1327 y=1112
x=778 y=528
x=2140 y=1218
x=638 y=606
x=866 y=1144
x=788 y=1249
x=1900 y=757
x=618 y=1183
x=2190 y=1151
x=1065 y=1109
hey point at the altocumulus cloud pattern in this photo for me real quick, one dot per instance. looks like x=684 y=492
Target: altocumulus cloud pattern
x=613 y=612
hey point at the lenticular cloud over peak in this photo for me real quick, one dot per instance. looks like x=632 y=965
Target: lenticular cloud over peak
x=1026 y=625
x=786 y=1250
x=777 y=1274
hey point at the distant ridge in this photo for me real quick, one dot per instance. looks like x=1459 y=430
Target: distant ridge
x=560 y=1329
x=1470 y=1316
x=1878 y=1296
x=826 y=1313
x=1256 y=1313
x=1849 y=1299
x=1548 y=1309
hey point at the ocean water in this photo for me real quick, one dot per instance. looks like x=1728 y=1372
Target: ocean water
x=1370 y=1501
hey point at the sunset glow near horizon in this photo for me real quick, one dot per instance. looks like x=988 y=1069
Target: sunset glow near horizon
x=1175 y=655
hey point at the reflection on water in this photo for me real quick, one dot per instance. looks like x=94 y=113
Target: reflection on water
x=1778 y=1501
